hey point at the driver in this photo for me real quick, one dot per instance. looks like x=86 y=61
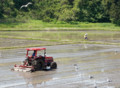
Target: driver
x=33 y=53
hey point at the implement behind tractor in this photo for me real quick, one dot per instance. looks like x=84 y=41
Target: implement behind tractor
x=36 y=62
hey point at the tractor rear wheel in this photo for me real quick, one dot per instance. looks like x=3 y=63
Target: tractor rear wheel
x=53 y=65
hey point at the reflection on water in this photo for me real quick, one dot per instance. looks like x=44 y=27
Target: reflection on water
x=38 y=78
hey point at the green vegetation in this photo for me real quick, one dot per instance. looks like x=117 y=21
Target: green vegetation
x=60 y=10
x=39 y=25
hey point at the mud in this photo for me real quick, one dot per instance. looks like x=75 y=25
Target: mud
x=101 y=62
x=10 y=42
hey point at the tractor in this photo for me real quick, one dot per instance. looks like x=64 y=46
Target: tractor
x=36 y=61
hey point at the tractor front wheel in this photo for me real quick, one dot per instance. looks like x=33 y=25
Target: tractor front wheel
x=38 y=64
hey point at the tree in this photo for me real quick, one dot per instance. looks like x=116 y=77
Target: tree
x=90 y=11
x=1 y=9
x=7 y=9
x=63 y=10
x=115 y=11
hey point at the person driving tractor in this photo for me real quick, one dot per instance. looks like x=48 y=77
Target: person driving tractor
x=33 y=53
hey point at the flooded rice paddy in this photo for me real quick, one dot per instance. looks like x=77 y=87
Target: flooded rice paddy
x=79 y=65
x=39 y=38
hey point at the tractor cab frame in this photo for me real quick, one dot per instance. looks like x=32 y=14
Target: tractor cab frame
x=35 y=51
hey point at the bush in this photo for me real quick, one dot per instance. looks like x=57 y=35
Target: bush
x=47 y=19
x=117 y=22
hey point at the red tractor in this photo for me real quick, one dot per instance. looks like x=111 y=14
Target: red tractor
x=36 y=62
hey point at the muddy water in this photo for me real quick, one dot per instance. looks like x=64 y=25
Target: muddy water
x=100 y=61
x=32 y=38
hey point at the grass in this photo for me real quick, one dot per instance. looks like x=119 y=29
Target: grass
x=39 y=25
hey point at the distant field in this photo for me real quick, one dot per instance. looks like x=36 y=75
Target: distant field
x=21 y=39
x=39 y=25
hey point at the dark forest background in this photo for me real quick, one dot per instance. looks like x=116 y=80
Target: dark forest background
x=61 y=10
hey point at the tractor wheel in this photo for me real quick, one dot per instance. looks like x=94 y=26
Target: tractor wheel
x=34 y=62
x=38 y=64
x=53 y=65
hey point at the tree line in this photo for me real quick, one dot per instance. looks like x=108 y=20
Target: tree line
x=62 y=10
